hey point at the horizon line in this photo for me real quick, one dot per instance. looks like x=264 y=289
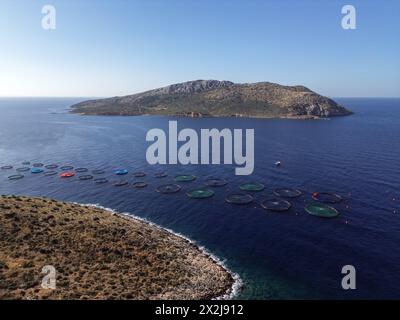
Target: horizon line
x=111 y=96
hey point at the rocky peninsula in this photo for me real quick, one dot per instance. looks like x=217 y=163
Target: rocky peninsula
x=98 y=254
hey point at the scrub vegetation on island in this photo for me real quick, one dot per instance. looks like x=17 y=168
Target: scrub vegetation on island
x=213 y=98
x=98 y=255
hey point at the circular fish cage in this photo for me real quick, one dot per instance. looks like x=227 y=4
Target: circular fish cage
x=36 y=170
x=37 y=165
x=252 y=187
x=216 y=182
x=98 y=171
x=185 y=178
x=287 y=192
x=239 y=198
x=160 y=175
x=139 y=184
x=139 y=174
x=121 y=183
x=23 y=169
x=168 y=188
x=200 y=193
x=321 y=210
x=51 y=166
x=276 y=205
x=16 y=177
x=100 y=180
x=66 y=168
x=6 y=167
x=326 y=197
x=121 y=172
x=67 y=174
x=81 y=170
x=49 y=173
x=85 y=177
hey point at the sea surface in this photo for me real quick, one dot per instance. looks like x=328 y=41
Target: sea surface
x=278 y=255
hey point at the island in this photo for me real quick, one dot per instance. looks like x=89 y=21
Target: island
x=98 y=254
x=213 y=98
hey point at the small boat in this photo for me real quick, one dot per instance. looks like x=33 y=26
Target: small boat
x=278 y=163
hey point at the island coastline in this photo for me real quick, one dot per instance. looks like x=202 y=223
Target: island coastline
x=184 y=269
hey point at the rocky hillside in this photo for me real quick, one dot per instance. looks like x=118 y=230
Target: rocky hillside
x=219 y=99
x=97 y=255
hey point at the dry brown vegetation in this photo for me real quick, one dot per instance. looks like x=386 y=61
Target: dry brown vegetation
x=97 y=255
x=219 y=99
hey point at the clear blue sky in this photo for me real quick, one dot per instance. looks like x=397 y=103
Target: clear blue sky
x=106 y=48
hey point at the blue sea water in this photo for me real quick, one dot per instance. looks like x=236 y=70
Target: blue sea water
x=278 y=255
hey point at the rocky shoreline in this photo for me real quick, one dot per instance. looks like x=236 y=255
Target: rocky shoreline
x=100 y=254
x=281 y=117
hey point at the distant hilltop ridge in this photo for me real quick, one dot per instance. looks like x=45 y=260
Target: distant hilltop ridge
x=213 y=98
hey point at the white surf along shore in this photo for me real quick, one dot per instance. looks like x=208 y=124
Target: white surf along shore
x=237 y=283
